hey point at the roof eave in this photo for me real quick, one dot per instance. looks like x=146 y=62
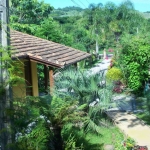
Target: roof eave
x=29 y=57
x=78 y=60
x=39 y=60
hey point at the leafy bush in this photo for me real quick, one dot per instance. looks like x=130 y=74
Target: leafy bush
x=31 y=123
x=114 y=74
x=134 y=61
x=10 y=72
x=38 y=123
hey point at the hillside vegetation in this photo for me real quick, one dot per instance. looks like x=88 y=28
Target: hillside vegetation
x=75 y=11
x=77 y=27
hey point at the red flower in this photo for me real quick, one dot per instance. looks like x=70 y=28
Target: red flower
x=110 y=50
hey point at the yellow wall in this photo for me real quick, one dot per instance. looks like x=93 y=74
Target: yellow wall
x=19 y=90
x=34 y=79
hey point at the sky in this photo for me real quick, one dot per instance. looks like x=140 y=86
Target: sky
x=141 y=5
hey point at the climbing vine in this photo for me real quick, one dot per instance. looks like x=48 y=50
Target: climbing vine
x=14 y=68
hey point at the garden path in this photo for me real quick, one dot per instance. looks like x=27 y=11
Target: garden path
x=102 y=66
x=123 y=116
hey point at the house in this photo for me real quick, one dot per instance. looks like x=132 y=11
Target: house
x=31 y=51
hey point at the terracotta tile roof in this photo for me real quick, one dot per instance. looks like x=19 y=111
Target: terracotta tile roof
x=44 y=51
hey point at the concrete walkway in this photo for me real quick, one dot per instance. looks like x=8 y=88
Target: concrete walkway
x=128 y=122
x=132 y=126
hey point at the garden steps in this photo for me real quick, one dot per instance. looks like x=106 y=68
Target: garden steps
x=132 y=126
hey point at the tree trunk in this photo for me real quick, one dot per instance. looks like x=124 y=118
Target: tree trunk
x=57 y=140
x=5 y=98
x=97 y=47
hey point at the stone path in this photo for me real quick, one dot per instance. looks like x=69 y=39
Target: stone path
x=128 y=122
x=132 y=126
x=102 y=66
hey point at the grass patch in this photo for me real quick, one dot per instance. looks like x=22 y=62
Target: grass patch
x=108 y=136
x=111 y=136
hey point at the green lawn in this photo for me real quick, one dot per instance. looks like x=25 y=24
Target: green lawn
x=109 y=136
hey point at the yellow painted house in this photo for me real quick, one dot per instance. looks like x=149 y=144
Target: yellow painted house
x=31 y=50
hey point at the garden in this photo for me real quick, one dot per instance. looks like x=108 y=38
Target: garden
x=69 y=119
x=74 y=117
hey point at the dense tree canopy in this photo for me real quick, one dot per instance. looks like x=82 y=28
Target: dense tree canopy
x=29 y=11
x=76 y=27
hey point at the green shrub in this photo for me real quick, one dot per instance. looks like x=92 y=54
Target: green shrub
x=134 y=60
x=114 y=74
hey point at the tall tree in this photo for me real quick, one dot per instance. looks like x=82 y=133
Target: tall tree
x=96 y=21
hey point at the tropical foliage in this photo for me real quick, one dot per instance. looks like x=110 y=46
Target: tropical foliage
x=77 y=107
x=135 y=60
x=101 y=24
x=82 y=86
x=68 y=118
x=29 y=11
x=10 y=74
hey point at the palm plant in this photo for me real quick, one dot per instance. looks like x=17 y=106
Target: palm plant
x=47 y=116
x=87 y=89
x=79 y=85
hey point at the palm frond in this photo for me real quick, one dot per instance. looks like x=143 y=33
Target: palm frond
x=90 y=126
